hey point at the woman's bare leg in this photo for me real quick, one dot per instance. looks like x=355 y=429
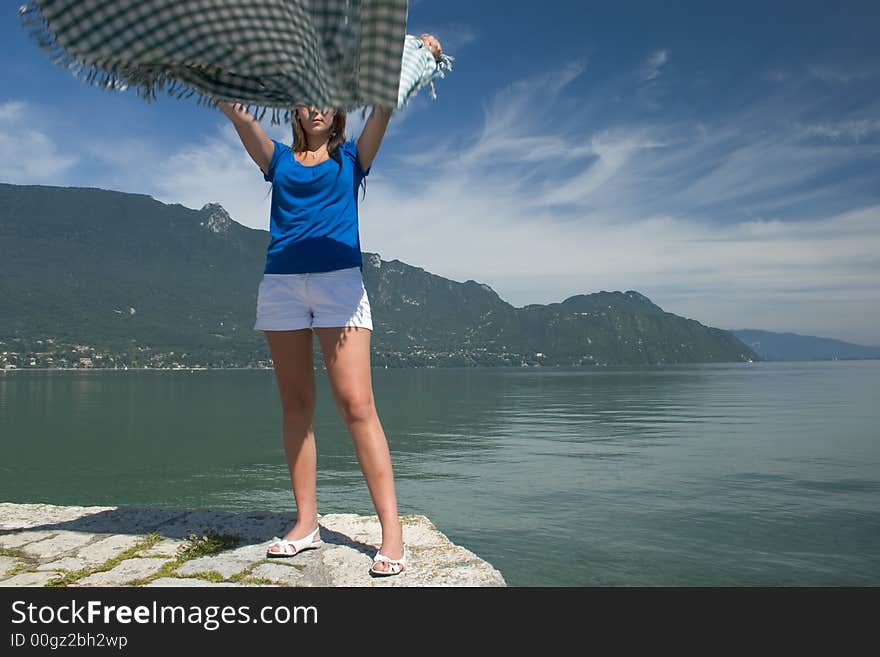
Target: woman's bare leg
x=347 y=357
x=294 y=370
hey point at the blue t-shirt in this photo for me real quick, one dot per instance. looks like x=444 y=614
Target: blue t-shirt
x=314 y=217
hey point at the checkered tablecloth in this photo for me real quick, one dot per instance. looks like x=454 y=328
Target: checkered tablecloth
x=265 y=54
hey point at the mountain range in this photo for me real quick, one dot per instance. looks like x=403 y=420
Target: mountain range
x=110 y=278
x=792 y=346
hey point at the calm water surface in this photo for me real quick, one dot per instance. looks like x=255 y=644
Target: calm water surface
x=717 y=474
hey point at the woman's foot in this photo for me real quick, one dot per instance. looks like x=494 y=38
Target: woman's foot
x=292 y=542
x=391 y=550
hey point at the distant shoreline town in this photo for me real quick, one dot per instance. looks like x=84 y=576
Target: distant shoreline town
x=53 y=354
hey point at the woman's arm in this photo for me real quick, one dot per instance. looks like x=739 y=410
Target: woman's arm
x=255 y=141
x=371 y=136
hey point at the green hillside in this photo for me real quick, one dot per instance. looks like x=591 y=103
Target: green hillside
x=123 y=280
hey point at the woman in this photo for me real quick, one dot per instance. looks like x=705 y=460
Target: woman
x=313 y=283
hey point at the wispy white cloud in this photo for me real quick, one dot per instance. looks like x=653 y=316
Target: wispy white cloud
x=838 y=73
x=614 y=151
x=829 y=74
x=776 y=75
x=833 y=74
x=12 y=112
x=505 y=134
x=217 y=170
x=652 y=65
x=28 y=154
x=853 y=129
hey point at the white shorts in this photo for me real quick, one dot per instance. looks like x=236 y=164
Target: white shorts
x=288 y=302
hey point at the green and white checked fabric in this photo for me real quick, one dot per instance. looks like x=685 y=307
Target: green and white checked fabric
x=265 y=54
x=419 y=68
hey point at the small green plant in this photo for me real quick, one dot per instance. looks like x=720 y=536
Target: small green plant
x=245 y=577
x=254 y=580
x=12 y=552
x=209 y=575
x=208 y=543
x=20 y=568
x=26 y=565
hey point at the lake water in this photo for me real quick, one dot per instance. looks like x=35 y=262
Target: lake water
x=710 y=474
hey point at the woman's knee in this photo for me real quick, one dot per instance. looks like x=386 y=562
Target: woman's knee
x=357 y=407
x=298 y=403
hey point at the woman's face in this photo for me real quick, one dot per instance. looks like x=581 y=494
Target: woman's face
x=315 y=122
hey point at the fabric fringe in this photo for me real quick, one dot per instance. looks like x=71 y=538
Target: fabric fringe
x=444 y=65
x=143 y=80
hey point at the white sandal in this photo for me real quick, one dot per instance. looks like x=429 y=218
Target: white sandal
x=395 y=566
x=291 y=548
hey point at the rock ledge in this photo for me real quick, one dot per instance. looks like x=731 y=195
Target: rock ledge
x=138 y=546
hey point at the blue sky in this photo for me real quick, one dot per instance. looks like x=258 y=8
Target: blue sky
x=725 y=162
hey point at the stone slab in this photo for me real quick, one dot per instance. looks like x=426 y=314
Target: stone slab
x=125 y=572
x=64 y=563
x=62 y=543
x=167 y=547
x=8 y=563
x=16 y=539
x=220 y=564
x=348 y=567
x=227 y=563
x=107 y=548
x=185 y=582
x=86 y=535
x=125 y=520
x=354 y=530
x=282 y=574
x=30 y=579
x=29 y=516
x=445 y=566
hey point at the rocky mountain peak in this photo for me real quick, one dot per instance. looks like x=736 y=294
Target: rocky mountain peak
x=217 y=220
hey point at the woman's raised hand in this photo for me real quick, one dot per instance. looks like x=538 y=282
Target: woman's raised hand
x=233 y=111
x=255 y=141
